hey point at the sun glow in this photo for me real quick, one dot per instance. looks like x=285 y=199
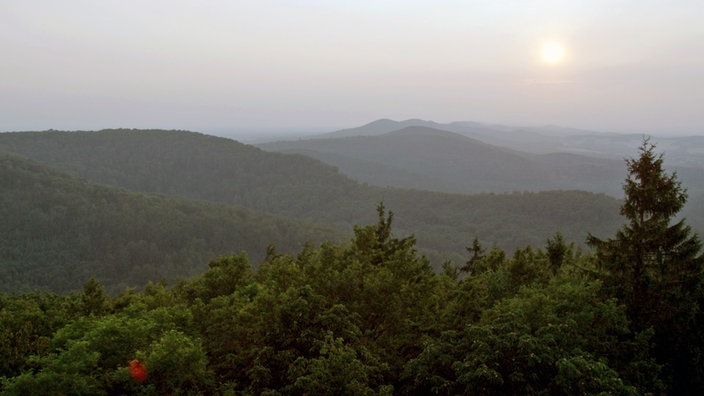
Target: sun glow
x=552 y=53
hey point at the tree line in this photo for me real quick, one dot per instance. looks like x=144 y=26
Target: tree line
x=370 y=316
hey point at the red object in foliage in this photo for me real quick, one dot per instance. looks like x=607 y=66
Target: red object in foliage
x=138 y=371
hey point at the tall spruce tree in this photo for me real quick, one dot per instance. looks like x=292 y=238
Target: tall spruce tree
x=654 y=266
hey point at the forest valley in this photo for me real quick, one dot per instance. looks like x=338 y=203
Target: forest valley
x=370 y=316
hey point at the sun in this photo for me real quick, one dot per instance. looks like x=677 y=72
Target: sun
x=553 y=52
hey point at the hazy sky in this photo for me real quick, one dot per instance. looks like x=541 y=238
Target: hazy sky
x=324 y=65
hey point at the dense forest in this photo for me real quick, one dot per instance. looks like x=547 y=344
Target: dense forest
x=57 y=231
x=370 y=316
x=196 y=166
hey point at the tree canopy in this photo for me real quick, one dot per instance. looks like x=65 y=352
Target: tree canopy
x=654 y=265
x=365 y=317
x=370 y=316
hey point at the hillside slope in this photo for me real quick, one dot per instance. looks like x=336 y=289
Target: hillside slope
x=186 y=164
x=532 y=140
x=682 y=151
x=198 y=166
x=456 y=163
x=57 y=231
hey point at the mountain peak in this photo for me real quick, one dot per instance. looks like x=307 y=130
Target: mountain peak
x=425 y=131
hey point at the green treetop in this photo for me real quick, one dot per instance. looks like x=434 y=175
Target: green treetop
x=653 y=265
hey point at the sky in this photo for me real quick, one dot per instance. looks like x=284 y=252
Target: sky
x=298 y=66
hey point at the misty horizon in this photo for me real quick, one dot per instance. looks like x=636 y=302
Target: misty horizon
x=309 y=67
x=254 y=135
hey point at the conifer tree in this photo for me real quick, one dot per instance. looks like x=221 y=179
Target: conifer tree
x=654 y=266
x=556 y=250
x=477 y=253
x=93 y=299
x=376 y=242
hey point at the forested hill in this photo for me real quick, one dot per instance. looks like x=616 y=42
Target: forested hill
x=186 y=164
x=370 y=316
x=684 y=151
x=57 y=231
x=193 y=165
x=450 y=162
x=441 y=160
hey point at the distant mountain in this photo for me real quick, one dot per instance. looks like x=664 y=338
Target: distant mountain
x=193 y=165
x=522 y=139
x=57 y=231
x=456 y=163
x=380 y=127
x=467 y=157
x=680 y=151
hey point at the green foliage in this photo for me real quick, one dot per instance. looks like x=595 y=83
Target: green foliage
x=477 y=253
x=559 y=339
x=339 y=370
x=650 y=262
x=375 y=244
x=57 y=232
x=557 y=251
x=177 y=365
x=71 y=373
x=26 y=325
x=93 y=299
x=527 y=267
x=365 y=317
x=90 y=355
x=192 y=165
x=226 y=274
x=656 y=268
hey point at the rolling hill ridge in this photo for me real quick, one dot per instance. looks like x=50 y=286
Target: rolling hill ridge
x=57 y=231
x=192 y=165
x=448 y=160
x=462 y=164
x=682 y=151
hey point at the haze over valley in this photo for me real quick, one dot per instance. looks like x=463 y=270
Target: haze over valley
x=207 y=168
x=445 y=185
x=470 y=157
x=351 y=198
